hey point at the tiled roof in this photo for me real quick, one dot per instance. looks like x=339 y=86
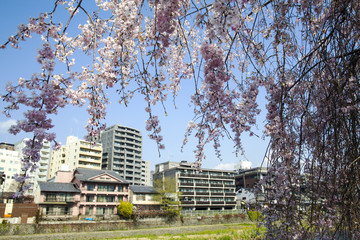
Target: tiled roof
x=142 y=189
x=84 y=174
x=57 y=187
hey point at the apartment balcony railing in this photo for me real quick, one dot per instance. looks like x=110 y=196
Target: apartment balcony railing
x=187 y=193
x=217 y=194
x=187 y=202
x=230 y=194
x=218 y=203
x=193 y=175
x=186 y=184
x=202 y=193
x=203 y=202
x=216 y=185
x=230 y=202
x=59 y=199
x=222 y=177
x=202 y=184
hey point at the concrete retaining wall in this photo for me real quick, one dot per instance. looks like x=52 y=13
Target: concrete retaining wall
x=88 y=226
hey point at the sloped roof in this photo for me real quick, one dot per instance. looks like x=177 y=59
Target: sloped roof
x=84 y=174
x=57 y=187
x=142 y=189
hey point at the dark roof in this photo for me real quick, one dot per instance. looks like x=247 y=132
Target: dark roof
x=142 y=189
x=84 y=174
x=57 y=187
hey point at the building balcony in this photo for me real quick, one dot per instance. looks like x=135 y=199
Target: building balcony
x=218 y=203
x=216 y=185
x=56 y=200
x=186 y=184
x=221 y=177
x=230 y=194
x=192 y=175
x=230 y=203
x=202 y=203
x=188 y=193
x=202 y=185
x=187 y=202
x=202 y=193
x=217 y=194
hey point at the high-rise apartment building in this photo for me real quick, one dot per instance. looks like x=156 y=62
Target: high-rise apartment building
x=40 y=174
x=122 y=153
x=75 y=154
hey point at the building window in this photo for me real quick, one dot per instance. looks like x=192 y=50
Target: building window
x=90 y=187
x=90 y=198
x=140 y=197
x=89 y=211
x=106 y=188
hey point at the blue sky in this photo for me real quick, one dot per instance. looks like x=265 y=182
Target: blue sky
x=15 y=63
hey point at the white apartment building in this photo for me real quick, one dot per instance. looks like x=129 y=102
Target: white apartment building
x=10 y=164
x=77 y=153
x=40 y=175
x=146 y=173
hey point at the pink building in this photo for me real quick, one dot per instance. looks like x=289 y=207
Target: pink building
x=86 y=192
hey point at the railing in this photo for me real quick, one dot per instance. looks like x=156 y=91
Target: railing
x=59 y=199
x=202 y=184
x=186 y=184
x=216 y=185
x=217 y=194
x=230 y=194
x=187 y=193
x=189 y=213
x=202 y=193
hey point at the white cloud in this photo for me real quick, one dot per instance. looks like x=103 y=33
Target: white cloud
x=5 y=125
x=226 y=166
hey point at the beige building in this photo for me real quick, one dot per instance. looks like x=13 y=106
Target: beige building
x=75 y=154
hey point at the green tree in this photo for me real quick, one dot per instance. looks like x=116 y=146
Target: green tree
x=168 y=197
x=125 y=209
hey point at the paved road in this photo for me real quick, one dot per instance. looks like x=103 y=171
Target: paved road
x=121 y=233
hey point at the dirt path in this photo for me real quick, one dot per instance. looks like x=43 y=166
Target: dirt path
x=121 y=233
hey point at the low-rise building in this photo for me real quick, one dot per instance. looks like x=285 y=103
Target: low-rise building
x=84 y=191
x=205 y=189
x=143 y=198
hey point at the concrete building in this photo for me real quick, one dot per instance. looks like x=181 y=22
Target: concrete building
x=146 y=174
x=76 y=153
x=122 y=153
x=208 y=189
x=246 y=181
x=10 y=164
x=40 y=175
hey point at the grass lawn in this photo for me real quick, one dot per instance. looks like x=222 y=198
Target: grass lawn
x=233 y=231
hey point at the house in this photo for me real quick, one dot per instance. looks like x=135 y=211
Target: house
x=82 y=192
x=143 y=198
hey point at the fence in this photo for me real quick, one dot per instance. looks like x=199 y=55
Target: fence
x=189 y=213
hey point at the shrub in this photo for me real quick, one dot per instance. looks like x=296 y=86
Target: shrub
x=254 y=216
x=125 y=209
